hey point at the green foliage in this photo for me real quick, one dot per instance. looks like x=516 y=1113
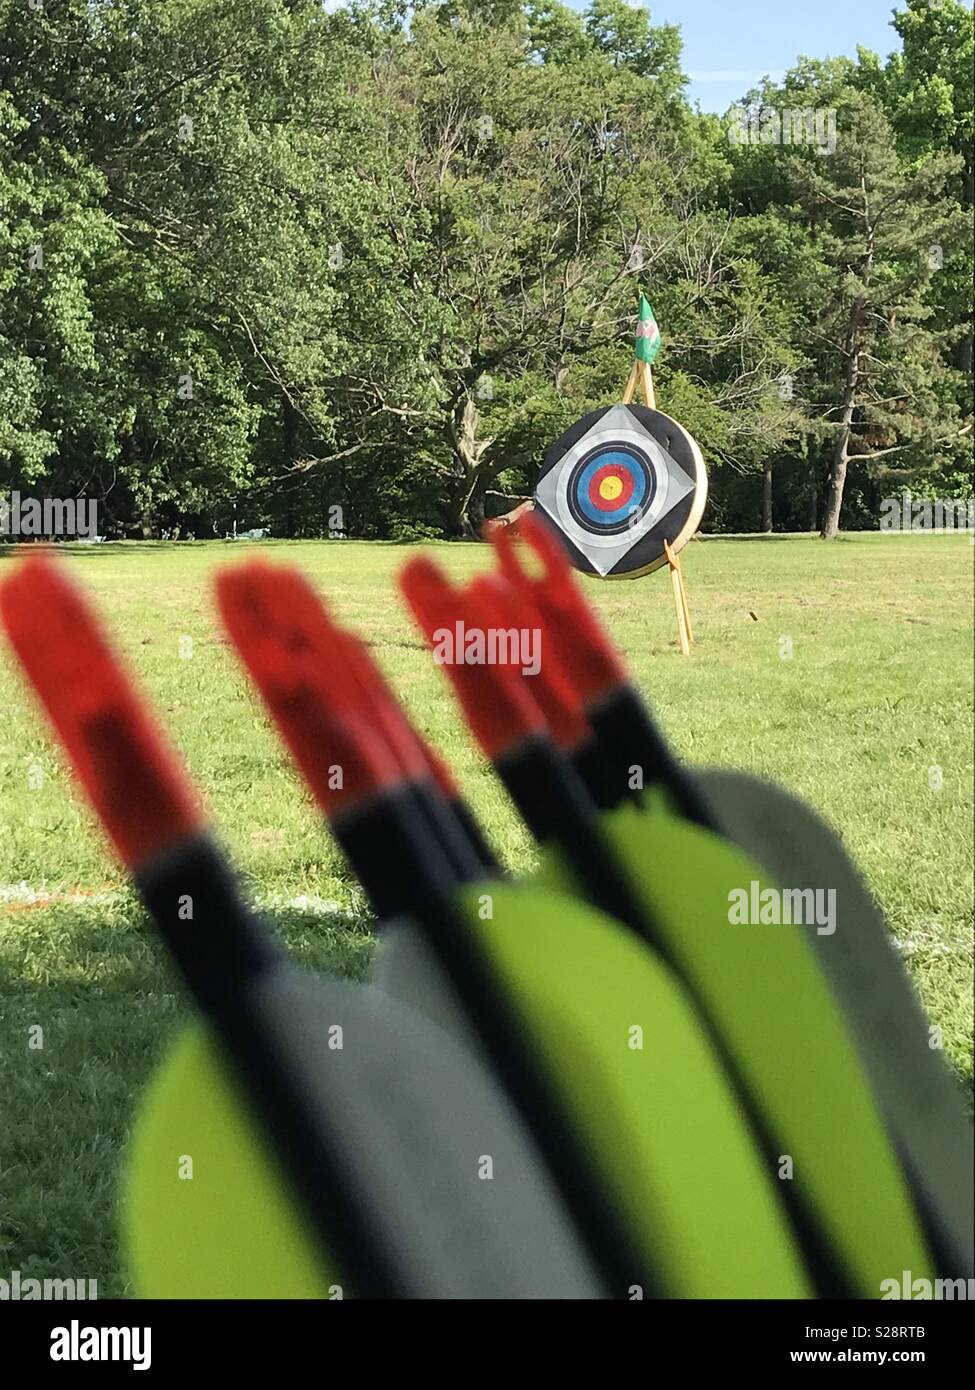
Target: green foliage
x=869 y=247
x=258 y=261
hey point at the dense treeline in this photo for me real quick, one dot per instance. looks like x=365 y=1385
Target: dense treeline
x=268 y=266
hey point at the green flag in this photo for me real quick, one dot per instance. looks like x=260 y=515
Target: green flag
x=647 y=343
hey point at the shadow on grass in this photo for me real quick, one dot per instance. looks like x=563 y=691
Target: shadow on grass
x=89 y=1005
x=122 y=958
x=404 y=646
x=767 y=537
x=88 y=550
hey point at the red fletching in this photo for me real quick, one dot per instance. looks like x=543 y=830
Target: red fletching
x=415 y=758
x=298 y=661
x=548 y=687
x=585 y=653
x=493 y=697
x=133 y=779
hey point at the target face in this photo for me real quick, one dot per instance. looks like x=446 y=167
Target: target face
x=620 y=483
x=608 y=485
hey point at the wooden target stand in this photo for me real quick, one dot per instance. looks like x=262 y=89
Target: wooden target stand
x=642 y=378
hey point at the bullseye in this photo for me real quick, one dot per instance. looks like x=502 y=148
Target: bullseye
x=610 y=487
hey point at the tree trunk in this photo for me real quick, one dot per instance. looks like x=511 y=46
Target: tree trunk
x=148 y=519
x=475 y=509
x=841 y=455
x=841 y=449
x=454 y=507
x=837 y=482
x=814 y=474
x=767 y=496
x=289 y=449
x=290 y=423
x=465 y=506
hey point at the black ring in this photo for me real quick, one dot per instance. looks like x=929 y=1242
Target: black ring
x=586 y=523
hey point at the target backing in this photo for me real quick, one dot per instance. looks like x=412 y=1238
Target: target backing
x=618 y=485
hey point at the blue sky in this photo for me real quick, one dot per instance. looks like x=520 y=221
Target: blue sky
x=730 y=44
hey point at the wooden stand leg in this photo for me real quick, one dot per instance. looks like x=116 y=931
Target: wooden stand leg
x=633 y=382
x=685 y=645
x=642 y=377
x=680 y=601
x=683 y=595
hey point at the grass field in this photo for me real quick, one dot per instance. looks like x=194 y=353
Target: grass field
x=877 y=691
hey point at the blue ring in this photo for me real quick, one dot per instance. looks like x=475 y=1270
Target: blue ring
x=625 y=460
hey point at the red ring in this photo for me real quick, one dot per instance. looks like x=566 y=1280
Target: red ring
x=607 y=504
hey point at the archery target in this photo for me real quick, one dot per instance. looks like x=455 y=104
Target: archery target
x=620 y=483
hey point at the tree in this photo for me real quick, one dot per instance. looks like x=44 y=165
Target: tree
x=929 y=94
x=875 y=222
x=261 y=260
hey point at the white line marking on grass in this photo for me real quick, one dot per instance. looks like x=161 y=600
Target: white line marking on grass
x=306 y=902
x=915 y=945
x=23 y=894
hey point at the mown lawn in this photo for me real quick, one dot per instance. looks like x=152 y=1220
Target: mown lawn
x=877 y=691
